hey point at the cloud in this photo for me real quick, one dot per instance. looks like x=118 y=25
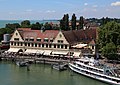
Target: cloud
x=115 y=3
x=50 y=11
x=85 y=4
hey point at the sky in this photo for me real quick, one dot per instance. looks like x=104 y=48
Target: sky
x=55 y=9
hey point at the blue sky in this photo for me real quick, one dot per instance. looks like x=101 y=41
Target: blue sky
x=55 y=9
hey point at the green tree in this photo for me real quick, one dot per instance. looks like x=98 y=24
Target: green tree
x=47 y=26
x=81 y=22
x=109 y=38
x=73 y=22
x=25 y=24
x=64 y=22
x=36 y=26
x=12 y=26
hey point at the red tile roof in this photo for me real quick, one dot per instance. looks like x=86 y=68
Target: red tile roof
x=28 y=33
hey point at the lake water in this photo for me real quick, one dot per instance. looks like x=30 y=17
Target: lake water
x=4 y=22
x=41 y=74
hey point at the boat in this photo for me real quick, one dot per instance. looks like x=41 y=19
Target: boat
x=21 y=63
x=92 y=68
x=59 y=67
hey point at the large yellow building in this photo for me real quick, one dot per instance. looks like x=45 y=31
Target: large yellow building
x=53 y=41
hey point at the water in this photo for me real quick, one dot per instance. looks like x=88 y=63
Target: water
x=40 y=74
x=4 y=22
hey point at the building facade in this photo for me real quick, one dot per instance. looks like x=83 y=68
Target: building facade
x=52 y=41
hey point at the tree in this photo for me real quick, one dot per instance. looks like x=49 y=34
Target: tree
x=25 y=24
x=81 y=22
x=67 y=22
x=73 y=22
x=64 y=22
x=47 y=26
x=12 y=26
x=36 y=26
x=109 y=38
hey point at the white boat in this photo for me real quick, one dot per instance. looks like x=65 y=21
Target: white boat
x=59 y=67
x=90 y=68
x=21 y=63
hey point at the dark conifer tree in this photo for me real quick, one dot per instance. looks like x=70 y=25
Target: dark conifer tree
x=73 y=22
x=81 y=22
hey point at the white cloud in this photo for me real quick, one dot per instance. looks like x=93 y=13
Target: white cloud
x=85 y=4
x=50 y=11
x=115 y=3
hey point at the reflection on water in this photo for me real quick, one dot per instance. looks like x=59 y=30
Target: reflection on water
x=41 y=74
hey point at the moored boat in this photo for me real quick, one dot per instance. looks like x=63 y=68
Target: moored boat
x=59 y=67
x=93 y=69
x=21 y=63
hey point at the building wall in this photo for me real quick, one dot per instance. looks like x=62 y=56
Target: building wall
x=16 y=35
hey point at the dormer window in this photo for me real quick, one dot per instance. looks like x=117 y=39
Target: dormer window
x=31 y=39
x=16 y=34
x=16 y=39
x=60 y=41
x=39 y=39
x=26 y=39
x=45 y=39
x=51 y=39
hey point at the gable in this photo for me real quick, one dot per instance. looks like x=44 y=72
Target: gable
x=16 y=34
x=60 y=37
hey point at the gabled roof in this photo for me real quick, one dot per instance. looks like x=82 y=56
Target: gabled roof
x=28 y=33
x=77 y=36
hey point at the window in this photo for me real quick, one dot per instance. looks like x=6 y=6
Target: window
x=31 y=39
x=46 y=45
x=21 y=43
x=16 y=39
x=60 y=35
x=25 y=44
x=60 y=41
x=15 y=43
x=46 y=40
x=50 y=46
x=65 y=46
x=26 y=39
x=61 y=46
x=51 y=40
x=38 y=39
x=54 y=46
x=58 y=46
x=35 y=44
x=11 y=43
x=18 y=43
x=43 y=45
x=16 y=34
x=32 y=45
x=92 y=47
x=39 y=45
x=29 y=44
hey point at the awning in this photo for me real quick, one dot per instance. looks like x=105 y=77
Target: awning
x=79 y=45
x=40 y=51
x=47 y=52
x=76 y=54
x=30 y=51
x=34 y=51
x=60 y=52
x=13 y=49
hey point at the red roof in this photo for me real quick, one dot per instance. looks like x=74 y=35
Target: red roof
x=28 y=33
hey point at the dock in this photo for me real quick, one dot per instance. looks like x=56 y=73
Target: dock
x=33 y=59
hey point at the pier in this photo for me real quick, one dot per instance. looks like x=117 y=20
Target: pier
x=34 y=59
